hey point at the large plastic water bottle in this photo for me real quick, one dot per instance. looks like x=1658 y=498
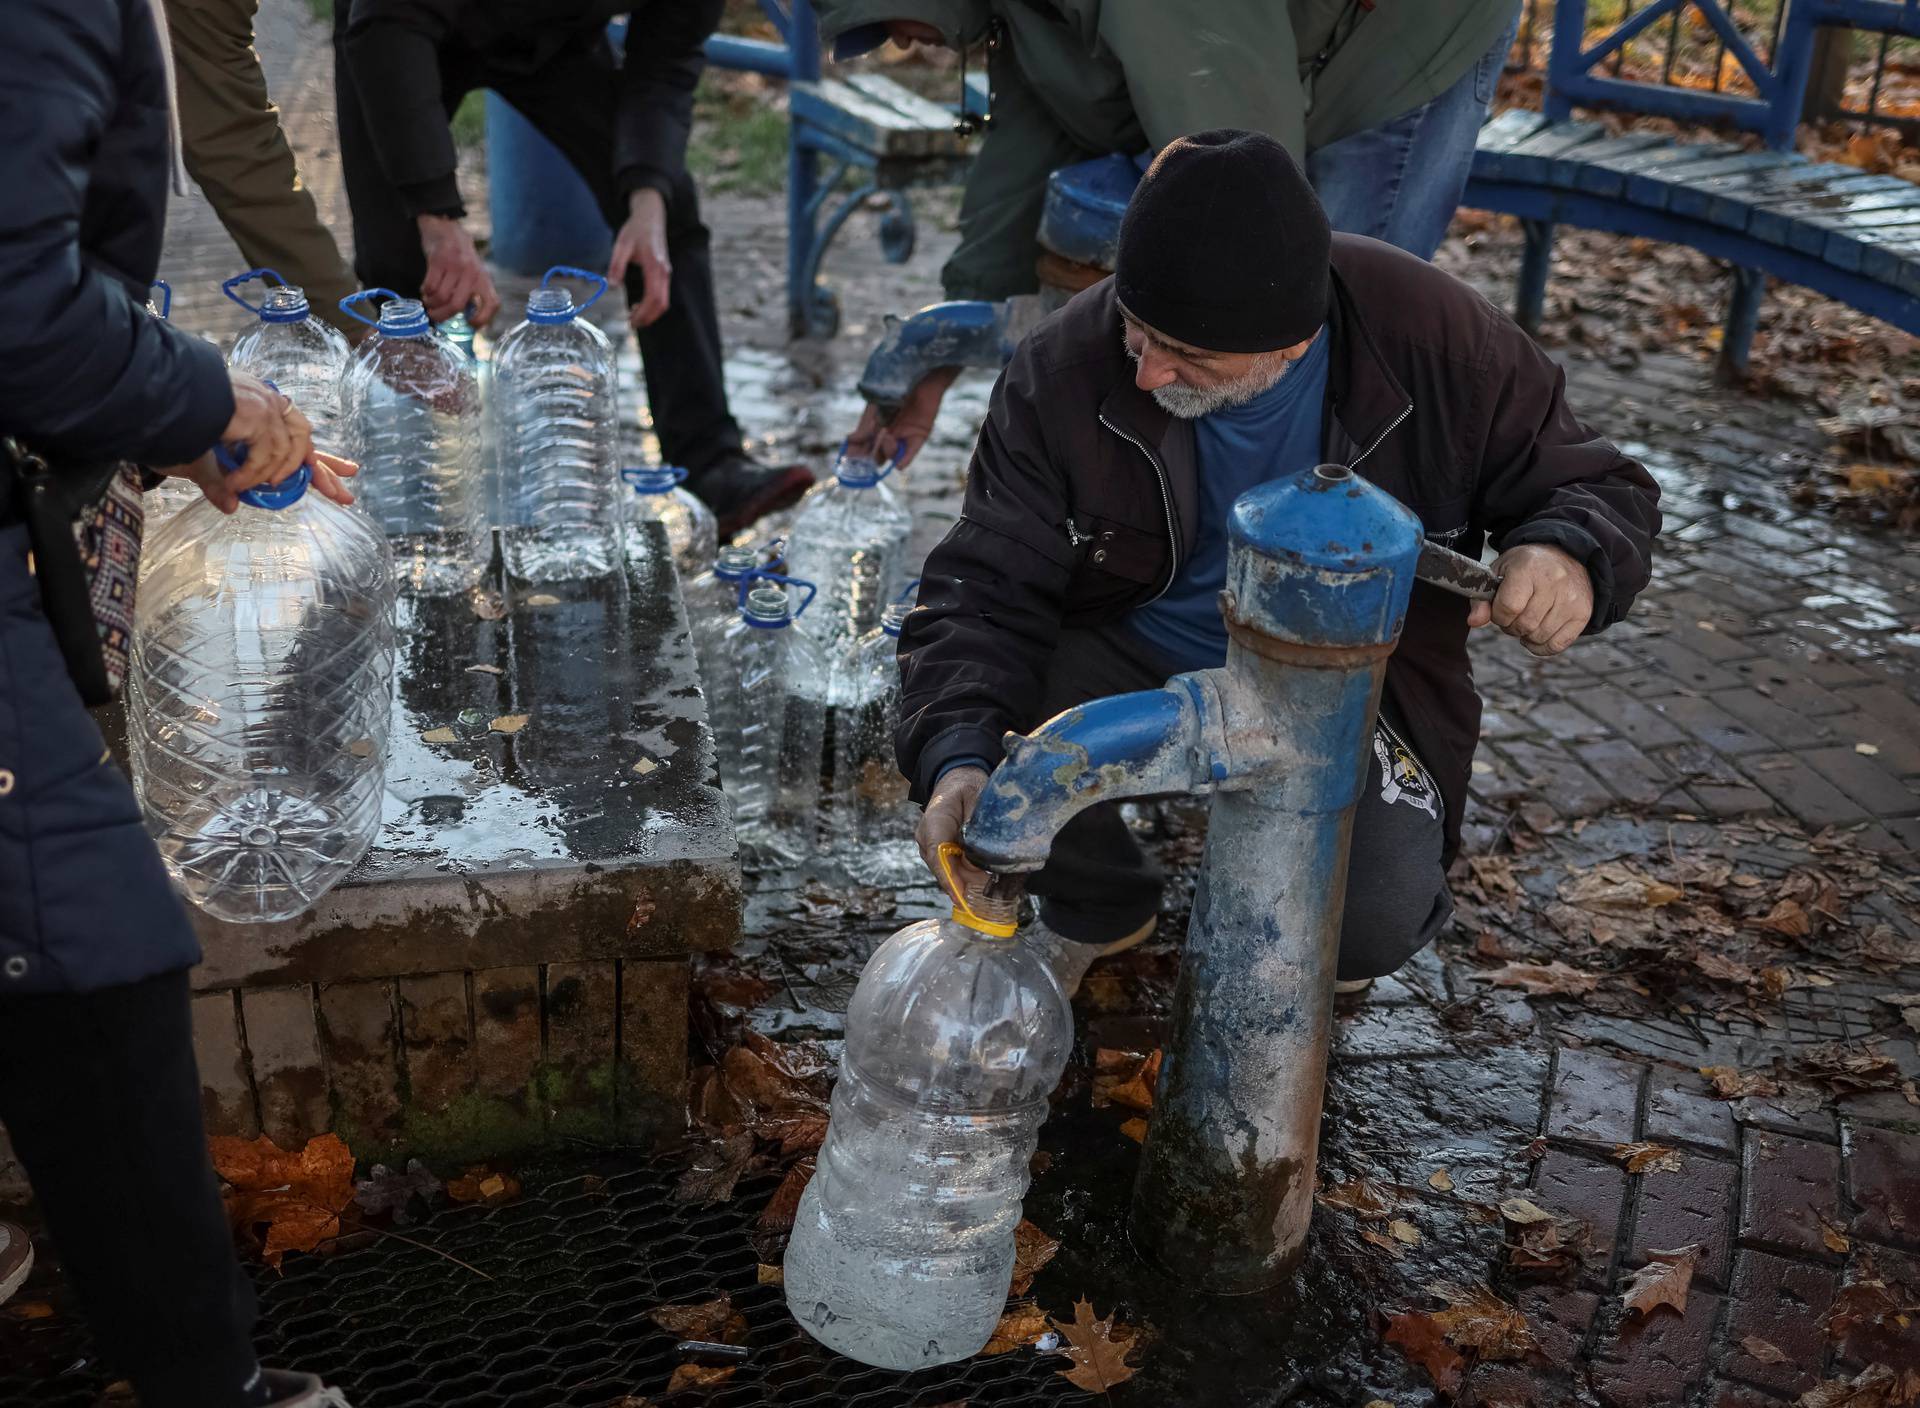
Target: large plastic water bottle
x=259 y=697
x=553 y=396
x=873 y=821
x=692 y=531
x=770 y=728
x=412 y=409
x=903 y=1245
x=850 y=536
x=304 y=357
x=713 y=599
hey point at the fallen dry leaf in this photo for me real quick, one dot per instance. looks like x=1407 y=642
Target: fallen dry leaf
x=1361 y=1196
x=1876 y=1386
x=543 y=599
x=298 y=1198
x=510 y=723
x=1786 y=919
x=485 y=670
x=1721 y=968
x=1477 y=1319
x=1135 y=1129
x=1553 y=1246
x=1830 y=1233
x=1440 y=1181
x=1867 y=750
x=1404 y=1231
x=1019 y=1327
x=1098 y=1349
x=361 y=747
x=1519 y=1210
x=440 y=735
x=1032 y=1250
x=1555 y=979
x=699 y=1376
x=1645 y=1157
x=765 y=1275
x=1124 y=1078
x=715 y=1321
x=387 y=1191
x=1664 y=1280
x=1731 y=1084
x=1381 y=1240
x=1419 y=1337
x=645 y=766
x=30 y=1310
x=481 y=1184
x=715 y=1169
x=1763 y=1350
x=775 y=1222
x=1617 y=886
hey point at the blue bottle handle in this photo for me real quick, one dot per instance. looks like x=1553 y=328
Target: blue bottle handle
x=760 y=574
x=862 y=481
x=285 y=494
x=907 y=592
x=346 y=304
x=231 y=287
x=571 y=272
x=674 y=474
x=166 y=297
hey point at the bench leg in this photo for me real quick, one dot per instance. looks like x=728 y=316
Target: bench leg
x=803 y=179
x=1536 y=264
x=1743 y=316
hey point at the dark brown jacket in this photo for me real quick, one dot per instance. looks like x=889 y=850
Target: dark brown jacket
x=1081 y=499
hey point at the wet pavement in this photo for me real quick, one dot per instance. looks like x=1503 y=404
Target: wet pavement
x=1749 y=741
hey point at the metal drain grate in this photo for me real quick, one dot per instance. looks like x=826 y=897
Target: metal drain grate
x=576 y=1266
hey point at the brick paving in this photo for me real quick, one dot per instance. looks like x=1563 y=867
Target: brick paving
x=1771 y=672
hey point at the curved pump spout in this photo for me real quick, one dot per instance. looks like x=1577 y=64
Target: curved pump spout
x=965 y=333
x=1148 y=744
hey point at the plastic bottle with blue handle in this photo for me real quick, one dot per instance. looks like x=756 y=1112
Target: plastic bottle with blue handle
x=259 y=696
x=305 y=357
x=660 y=496
x=557 y=429
x=411 y=406
x=850 y=535
x=871 y=819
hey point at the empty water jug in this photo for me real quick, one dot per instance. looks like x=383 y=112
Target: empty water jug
x=411 y=405
x=850 y=536
x=693 y=533
x=872 y=821
x=557 y=432
x=769 y=726
x=295 y=351
x=259 y=697
x=903 y=1244
x=172 y=493
x=713 y=600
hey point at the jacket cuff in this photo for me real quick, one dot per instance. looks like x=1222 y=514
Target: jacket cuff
x=964 y=743
x=439 y=196
x=1576 y=541
x=207 y=409
x=644 y=178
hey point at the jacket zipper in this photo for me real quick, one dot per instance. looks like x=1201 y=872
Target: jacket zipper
x=1405 y=411
x=1075 y=538
x=1166 y=499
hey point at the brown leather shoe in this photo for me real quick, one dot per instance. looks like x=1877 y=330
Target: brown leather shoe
x=16 y=1259
x=742 y=491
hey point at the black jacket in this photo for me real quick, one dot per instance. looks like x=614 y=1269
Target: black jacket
x=1082 y=493
x=85 y=372
x=394 y=50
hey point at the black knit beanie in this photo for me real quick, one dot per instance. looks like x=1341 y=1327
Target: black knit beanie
x=1224 y=245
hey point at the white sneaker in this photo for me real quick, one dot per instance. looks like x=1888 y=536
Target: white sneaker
x=16 y=1259
x=1070 y=958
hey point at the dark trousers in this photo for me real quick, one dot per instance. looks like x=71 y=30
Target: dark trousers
x=101 y=1098
x=571 y=102
x=1098 y=885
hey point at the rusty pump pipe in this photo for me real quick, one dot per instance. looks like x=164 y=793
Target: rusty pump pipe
x=1319 y=568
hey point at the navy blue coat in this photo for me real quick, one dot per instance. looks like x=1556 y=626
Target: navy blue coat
x=85 y=374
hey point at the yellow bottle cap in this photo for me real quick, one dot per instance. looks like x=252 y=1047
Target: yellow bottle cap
x=964 y=913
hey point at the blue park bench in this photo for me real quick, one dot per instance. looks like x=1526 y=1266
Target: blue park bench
x=1852 y=236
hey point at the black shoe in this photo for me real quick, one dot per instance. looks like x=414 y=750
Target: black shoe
x=742 y=491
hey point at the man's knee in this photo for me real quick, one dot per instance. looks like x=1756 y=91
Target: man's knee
x=1389 y=918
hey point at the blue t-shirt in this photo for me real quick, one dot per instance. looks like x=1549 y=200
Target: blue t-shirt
x=1276 y=433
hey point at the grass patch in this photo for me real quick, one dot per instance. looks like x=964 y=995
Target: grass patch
x=739 y=135
x=470 y=121
x=321 y=10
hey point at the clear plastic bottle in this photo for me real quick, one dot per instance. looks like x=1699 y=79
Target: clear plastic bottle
x=872 y=821
x=713 y=603
x=850 y=536
x=295 y=351
x=770 y=731
x=903 y=1245
x=692 y=531
x=557 y=431
x=412 y=409
x=259 y=697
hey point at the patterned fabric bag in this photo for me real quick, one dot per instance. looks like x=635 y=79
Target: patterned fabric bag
x=84 y=525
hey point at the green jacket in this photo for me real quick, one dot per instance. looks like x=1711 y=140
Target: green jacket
x=1075 y=79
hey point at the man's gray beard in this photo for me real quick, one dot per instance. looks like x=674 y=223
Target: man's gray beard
x=1191 y=403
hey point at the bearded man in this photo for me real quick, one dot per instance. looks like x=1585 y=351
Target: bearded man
x=1238 y=342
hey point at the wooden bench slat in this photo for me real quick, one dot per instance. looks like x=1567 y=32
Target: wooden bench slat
x=1896 y=265
x=1846 y=249
x=1597 y=173
x=1508 y=130
x=921 y=112
x=1692 y=193
x=865 y=123
x=1656 y=188
x=1735 y=201
x=1774 y=223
